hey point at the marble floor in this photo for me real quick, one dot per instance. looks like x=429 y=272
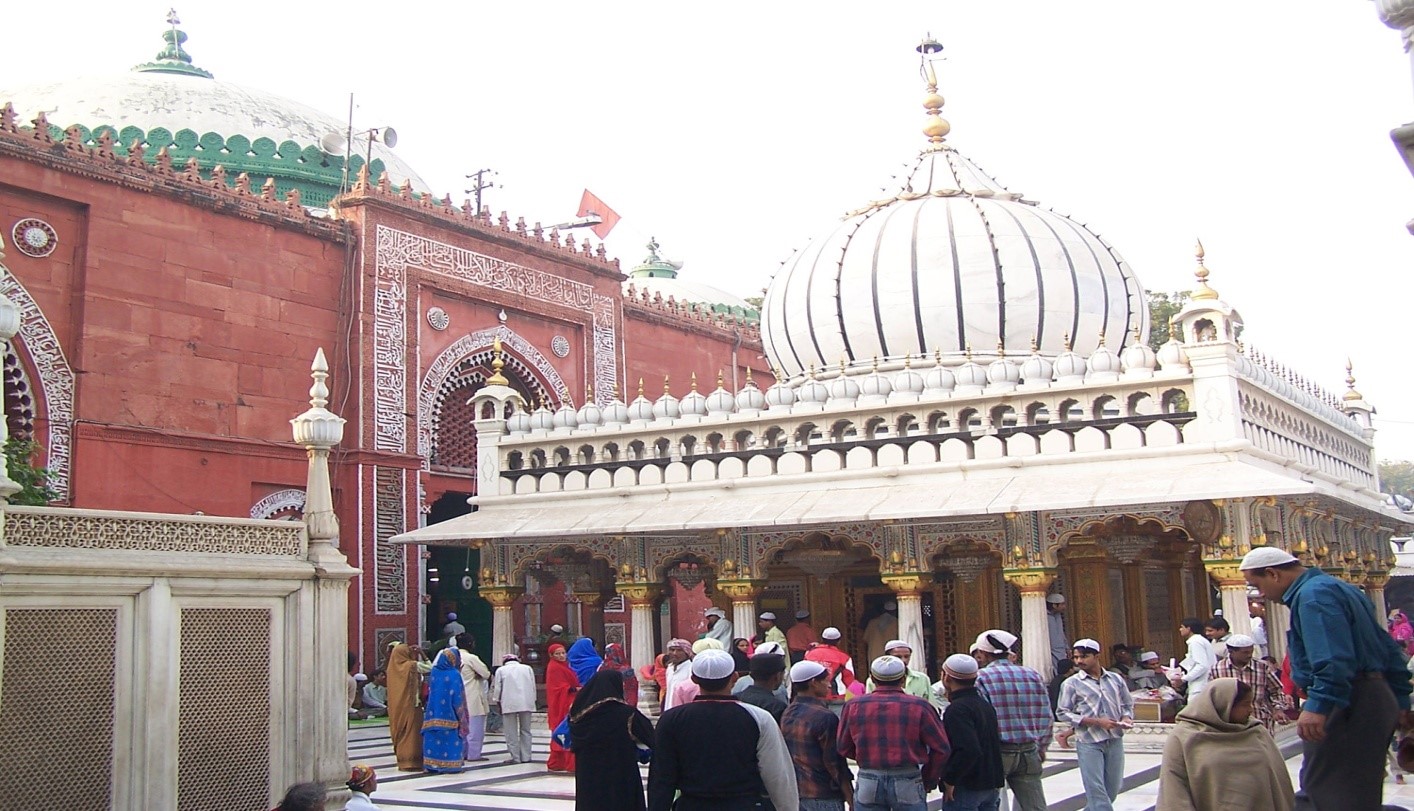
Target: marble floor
x=496 y=784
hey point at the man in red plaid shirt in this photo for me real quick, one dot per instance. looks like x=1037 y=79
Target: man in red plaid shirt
x=891 y=734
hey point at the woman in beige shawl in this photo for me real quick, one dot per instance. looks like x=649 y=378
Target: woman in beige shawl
x=1218 y=757
x=404 y=709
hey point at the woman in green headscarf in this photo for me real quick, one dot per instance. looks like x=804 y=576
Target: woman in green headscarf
x=1219 y=757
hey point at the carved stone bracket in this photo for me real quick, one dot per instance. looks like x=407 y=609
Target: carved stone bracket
x=502 y=596
x=907 y=582
x=1031 y=580
x=741 y=591
x=1224 y=572
x=638 y=593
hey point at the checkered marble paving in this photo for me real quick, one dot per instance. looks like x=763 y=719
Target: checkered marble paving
x=495 y=783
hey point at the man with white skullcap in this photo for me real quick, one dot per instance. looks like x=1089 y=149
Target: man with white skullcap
x=822 y=774
x=1269 y=701
x=719 y=627
x=452 y=628
x=973 y=776
x=717 y=752
x=889 y=734
x=801 y=636
x=1098 y=705
x=914 y=683
x=744 y=683
x=1356 y=683
x=839 y=663
x=880 y=630
x=1055 y=626
x=767 y=630
x=1024 y=721
x=1149 y=673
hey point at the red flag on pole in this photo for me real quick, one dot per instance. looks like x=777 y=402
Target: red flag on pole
x=589 y=204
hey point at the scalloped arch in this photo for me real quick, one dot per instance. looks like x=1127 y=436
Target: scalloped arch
x=56 y=379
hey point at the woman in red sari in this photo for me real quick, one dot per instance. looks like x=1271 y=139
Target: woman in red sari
x=561 y=684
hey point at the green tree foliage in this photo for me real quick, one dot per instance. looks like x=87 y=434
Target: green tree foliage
x=35 y=490
x=1162 y=308
x=1397 y=477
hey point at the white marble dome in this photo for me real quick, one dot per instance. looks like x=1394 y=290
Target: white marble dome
x=953 y=260
x=171 y=94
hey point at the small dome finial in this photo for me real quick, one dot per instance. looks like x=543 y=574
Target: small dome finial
x=937 y=127
x=1351 y=394
x=694 y=381
x=497 y=364
x=640 y=387
x=1202 y=292
x=173 y=58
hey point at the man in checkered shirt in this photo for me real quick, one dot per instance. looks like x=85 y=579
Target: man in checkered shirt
x=1023 y=706
x=1269 y=702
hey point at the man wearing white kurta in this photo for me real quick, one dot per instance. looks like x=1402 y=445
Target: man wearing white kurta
x=720 y=628
x=1198 y=664
x=677 y=660
x=513 y=687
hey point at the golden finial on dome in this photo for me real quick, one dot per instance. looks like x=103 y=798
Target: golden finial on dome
x=1035 y=344
x=967 y=352
x=1102 y=337
x=748 y=376
x=497 y=364
x=812 y=370
x=694 y=381
x=1065 y=341
x=843 y=362
x=719 y=378
x=589 y=393
x=1351 y=394
x=1202 y=292
x=665 y=385
x=876 y=364
x=937 y=127
x=1001 y=349
x=937 y=356
x=908 y=361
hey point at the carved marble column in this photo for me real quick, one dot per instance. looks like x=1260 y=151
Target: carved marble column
x=1375 y=589
x=743 y=594
x=502 y=633
x=909 y=588
x=1278 y=623
x=1233 y=590
x=641 y=650
x=1033 y=583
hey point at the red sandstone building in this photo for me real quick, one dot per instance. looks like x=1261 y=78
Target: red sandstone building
x=175 y=277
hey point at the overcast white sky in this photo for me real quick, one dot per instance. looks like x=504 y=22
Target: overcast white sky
x=733 y=132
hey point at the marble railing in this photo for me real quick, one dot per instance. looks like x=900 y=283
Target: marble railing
x=60 y=528
x=853 y=432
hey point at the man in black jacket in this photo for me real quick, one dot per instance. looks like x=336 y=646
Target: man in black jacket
x=973 y=776
x=767 y=671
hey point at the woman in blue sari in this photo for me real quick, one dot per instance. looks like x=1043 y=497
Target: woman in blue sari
x=444 y=719
x=584 y=660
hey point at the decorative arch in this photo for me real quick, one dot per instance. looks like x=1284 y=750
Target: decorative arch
x=804 y=539
x=597 y=563
x=289 y=501
x=523 y=360
x=56 y=379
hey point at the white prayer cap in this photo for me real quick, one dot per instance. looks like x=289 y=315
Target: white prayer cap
x=768 y=649
x=975 y=647
x=713 y=664
x=897 y=643
x=1055 y=599
x=1264 y=556
x=715 y=612
x=1086 y=644
x=509 y=658
x=887 y=668
x=767 y=615
x=831 y=633
x=995 y=641
x=1150 y=656
x=557 y=628
x=891 y=606
x=706 y=643
x=360 y=677
x=960 y=666
x=1240 y=641
x=452 y=616
x=805 y=671
x=802 y=614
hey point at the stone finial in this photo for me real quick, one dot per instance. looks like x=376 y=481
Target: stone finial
x=318 y=430
x=7 y=118
x=1351 y=394
x=1202 y=292
x=267 y=190
x=497 y=364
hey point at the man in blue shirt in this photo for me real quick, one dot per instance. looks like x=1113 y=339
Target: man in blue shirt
x=1352 y=672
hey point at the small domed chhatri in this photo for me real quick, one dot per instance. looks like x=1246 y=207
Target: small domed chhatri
x=952 y=259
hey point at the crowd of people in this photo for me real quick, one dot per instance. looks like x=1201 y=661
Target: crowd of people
x=774 y=722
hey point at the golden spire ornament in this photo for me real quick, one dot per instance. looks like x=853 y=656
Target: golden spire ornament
x=937 y=127
x=497 y=364
x=1202 y=292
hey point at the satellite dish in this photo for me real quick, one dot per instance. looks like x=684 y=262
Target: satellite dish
x=390 y=137
x=334 y=143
